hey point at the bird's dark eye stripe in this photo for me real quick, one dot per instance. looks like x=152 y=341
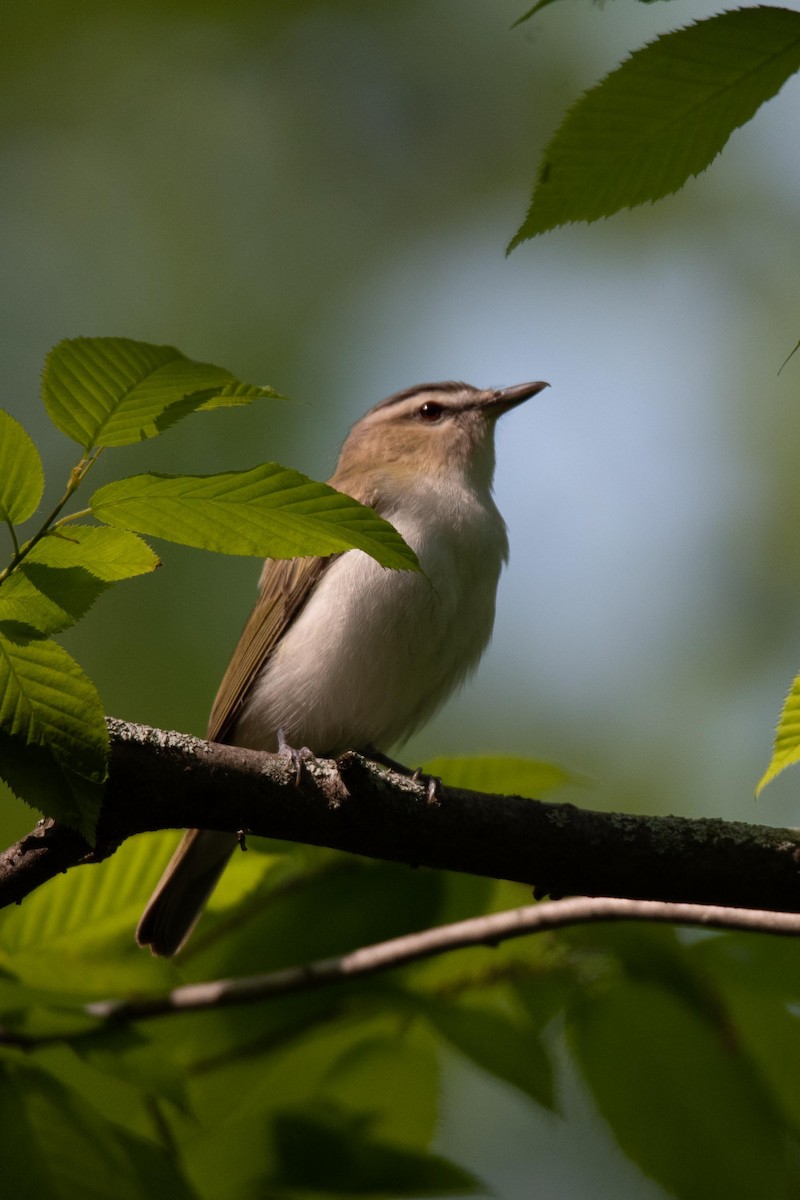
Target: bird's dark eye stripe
x=431 y=411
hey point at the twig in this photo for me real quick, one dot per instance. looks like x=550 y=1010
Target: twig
x=488 y=930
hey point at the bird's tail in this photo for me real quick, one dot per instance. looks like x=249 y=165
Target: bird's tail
x=189 y=879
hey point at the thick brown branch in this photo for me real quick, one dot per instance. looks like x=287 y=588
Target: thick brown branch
x=163 y=780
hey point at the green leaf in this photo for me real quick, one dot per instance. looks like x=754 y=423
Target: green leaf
x=499 y=1042
x=77 y=933
x=21 y=472
x=662 y=116
x=110 y=554
x=348 y=1161
x=37 y=601
x=63 y=575
x=57 y=1146
x=786 y=747
x=53 y=735
x=268 y=511
x=758 y=979
x=114 y=391
x=683 y=1100
x=500 y=773
x=318 y=1149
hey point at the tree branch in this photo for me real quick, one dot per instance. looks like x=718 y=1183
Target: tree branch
x=162 y=780
x=488 y=930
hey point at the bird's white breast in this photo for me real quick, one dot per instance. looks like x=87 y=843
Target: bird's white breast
x=374 y=652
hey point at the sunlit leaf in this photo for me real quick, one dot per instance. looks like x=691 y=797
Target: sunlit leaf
x=76 y=934
x=63 y=575
x=268 y=511
x=662 y=116
x=21 y=472
x=38 y=601
x=114 y=391
x=110 y=554
x=786 y=747
x=53 y=735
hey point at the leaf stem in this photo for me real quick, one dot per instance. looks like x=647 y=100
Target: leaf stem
x=76 y=478
x=74 y=516
x=13 y=533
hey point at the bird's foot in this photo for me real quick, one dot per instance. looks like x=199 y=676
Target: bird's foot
x=433 y=785
x=296 y=757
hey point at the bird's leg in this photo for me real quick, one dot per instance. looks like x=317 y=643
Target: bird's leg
x=296 y=757
x=432 y=782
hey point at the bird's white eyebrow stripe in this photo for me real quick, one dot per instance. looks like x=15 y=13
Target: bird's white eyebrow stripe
x=449 y=387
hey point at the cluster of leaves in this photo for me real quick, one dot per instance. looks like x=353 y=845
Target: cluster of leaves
x=337 y=1091
x=103 y=393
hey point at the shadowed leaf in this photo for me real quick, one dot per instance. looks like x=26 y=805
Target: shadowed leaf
x=662 y=116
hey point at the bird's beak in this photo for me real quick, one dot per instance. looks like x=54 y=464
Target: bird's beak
x=502 y=399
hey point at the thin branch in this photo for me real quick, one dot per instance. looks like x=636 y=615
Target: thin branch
x=398 y=952
x=76 y=477
x=164 y=780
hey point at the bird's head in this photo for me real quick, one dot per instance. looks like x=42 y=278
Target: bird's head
x=436 y=432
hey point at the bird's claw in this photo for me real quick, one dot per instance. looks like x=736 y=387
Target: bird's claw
x=296 y=757
x=433 y=785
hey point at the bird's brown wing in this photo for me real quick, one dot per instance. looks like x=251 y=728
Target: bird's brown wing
x=285 y=587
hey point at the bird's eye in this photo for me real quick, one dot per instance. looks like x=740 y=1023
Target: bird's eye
x=431 y=412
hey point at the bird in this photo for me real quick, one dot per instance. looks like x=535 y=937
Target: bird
x=340 y=653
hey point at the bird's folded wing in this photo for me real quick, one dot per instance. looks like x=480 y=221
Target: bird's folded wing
x=285 y=587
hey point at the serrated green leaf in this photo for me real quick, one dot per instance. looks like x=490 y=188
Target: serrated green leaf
x=76 y=935
x=786 y=747
x=268 y=511
x=21 y=472
x=114 y=391
x=37 y=601
x=110 y=554
x=64 y=573
x=500 y=773
x=53 y=735
x=662 y=116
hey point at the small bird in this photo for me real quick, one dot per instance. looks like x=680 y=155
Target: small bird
x=340 y=653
